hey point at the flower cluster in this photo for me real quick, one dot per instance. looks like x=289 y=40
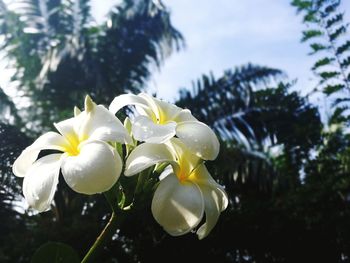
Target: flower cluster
x=160 y=133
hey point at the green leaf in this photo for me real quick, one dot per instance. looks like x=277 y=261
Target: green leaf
x=341 y=100
x=119 y=148
x=55 y=252
x=337 y=116
x=121 y=197
x=332 y=7
x=345 y=63
x=322 y=62
x=302 y=4
x=328 y=75
x=343 y=48
x=317 y=47
x=311 y=34
x=330 y=89
x=339 y=31
x=334 y=20
x=311 y=17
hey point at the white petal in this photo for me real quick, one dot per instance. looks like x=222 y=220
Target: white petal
x=152 y=106
x=69 y=128
x=130 y=99
x=146 y=155
x=144 y=129
x=167 y=111
x=212 y=210
x=177 y=207
x=184 y=115
x=47 y=141
x=128 y=125
x=187 y=160
x=114 y=134
x=167 y=170
x=199 y=138
x=95 y=170
x=40 y=182
x=101 y=124
x=77 y=111
x=215 y=199
x=202 y=177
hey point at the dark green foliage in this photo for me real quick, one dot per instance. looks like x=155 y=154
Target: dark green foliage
x=61 y=55
x=322 y=62
x=305 y=220
x=336 y=19
x=336 y=33
x=212 y=99
x=8 y=110
x=328 y=75
x=14 y=223
x=330 y=89
x=12 y=142
x=13 y=228
x=55 y=252
x=345 y=47
x=253 y=121
x=311 y=34
x=318 y=47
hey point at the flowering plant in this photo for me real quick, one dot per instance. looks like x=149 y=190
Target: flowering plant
x=160 y=140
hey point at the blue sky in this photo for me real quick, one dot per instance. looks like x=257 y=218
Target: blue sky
x=222 y=34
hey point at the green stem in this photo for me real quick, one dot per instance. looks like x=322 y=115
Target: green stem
x=143 y=176
x=109 y=229
x=105 y=235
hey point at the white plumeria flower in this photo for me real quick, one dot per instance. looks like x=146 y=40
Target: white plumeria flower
x=88 y=163
x=158 y=121
x=185 y=192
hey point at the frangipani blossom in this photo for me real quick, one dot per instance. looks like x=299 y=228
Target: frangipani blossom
x=158 y=121
x=185 y=192
x=88 y=163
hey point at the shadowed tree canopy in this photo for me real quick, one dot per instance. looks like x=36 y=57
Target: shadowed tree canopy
x=60 y=53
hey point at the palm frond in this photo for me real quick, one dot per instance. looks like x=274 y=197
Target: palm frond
x=254 y=120
x=137 y=37
x=212 y=99
x=59 y=53
x=8 y=110
x=326 y=32
x=12 y=141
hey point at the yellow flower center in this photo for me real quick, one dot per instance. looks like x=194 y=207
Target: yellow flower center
x=162 y=117
x=181 y=176
x=73 y=148
x=159 y=120
x=188 y=171
x=185 y=170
